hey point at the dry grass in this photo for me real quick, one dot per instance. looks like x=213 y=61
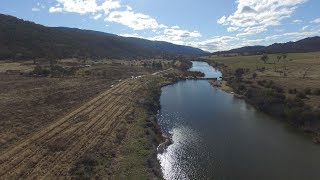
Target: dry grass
x=23 y=67
x=29 y=103
x=74 y=127
x=83 y=143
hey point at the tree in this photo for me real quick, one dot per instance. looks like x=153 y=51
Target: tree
x=239 y=73
x=254 y=75
x=284 y=56
x=279 y=58
x=264 y=58
x=306 y=70
x=275 y=64
x=285 y=63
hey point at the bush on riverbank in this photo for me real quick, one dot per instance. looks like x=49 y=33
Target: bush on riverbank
x=271 y=99
x=185 y=65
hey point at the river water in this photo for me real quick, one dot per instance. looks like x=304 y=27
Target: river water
x=217 y=136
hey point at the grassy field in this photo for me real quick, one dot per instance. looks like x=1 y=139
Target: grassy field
x=95 y=123
x=296 y=63
x=87 y=142
x=29 y=103
x=299 y=71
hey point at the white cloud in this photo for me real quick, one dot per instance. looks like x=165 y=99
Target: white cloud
x=222 y=20
x=35 y=9
x=98 y=16
x=297 y=21
x=176 y=36
x=175 y=27
x=252 y=31
x=232 y=29
x=316 y=20
x=109 y=5
x=180 y=37
x=253 y=41
x=84 y=6
x=38 y=7
x=305 y=27
x=136 y=21
x=127 y=17
x=172 y=35
x=294 y=35
x=218 y=43
x=135 y=35
x=181 y=33
x=129 y=8
x=55 y=9
x=259 y=15
x=279 y=30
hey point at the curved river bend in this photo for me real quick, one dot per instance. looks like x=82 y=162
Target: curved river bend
x=217 y=136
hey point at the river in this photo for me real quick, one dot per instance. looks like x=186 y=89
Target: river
x=217 y=136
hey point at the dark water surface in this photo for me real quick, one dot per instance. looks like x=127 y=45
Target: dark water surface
x=217 y=136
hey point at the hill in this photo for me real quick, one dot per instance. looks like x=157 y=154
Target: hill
x=247 y=49
x=21 y=39
x=311 y=44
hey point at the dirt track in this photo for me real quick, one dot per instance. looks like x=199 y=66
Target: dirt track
x=51 y=151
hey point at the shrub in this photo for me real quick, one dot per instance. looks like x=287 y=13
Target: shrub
x=87 y=73
x=301 y=95
x=295 y=102
x=239 y=73
x=61 y=71
x=316 y=92
x=185 y=65
x=242 y=87
x=307 y=91
x=261 y=69
x=261 y=83
x=40 y=71
x=248 y=82
x=293 y=91
x=277 y=88
x=269 y=84
x=254 y=75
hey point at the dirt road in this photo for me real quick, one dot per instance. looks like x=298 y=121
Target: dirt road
x=51 y=151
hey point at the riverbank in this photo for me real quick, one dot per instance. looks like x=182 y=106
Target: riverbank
x=223 y=85
x=270 y=97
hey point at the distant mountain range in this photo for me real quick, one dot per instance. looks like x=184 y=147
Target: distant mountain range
x=311 y=44
x=21 y=39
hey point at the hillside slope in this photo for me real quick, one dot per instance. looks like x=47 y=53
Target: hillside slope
x=21 y=39
x=311 y=44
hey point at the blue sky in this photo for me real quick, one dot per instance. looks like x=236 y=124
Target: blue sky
x=211 y=25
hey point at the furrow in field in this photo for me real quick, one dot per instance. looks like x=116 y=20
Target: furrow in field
x=49 y=160
x=45 y=159
x=90 y=139
x=20 y=145
x=87 y=110
x=87 y=143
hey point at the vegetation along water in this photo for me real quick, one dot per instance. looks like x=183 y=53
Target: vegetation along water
x=217 y=136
